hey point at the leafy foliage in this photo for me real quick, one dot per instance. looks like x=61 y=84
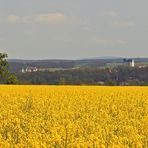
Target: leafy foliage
x=89 y=76
x=5 y=75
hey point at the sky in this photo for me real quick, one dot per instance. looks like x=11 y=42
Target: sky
x=73 y=29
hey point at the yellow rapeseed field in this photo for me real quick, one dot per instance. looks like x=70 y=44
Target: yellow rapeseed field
x=73 y=117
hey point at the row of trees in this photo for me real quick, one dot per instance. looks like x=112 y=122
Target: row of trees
x=89 y=76
x=123 y=75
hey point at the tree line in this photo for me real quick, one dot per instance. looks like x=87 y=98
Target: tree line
x=121 y=75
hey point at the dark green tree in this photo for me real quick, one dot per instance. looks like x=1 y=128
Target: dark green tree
x=11 y=79
x=5 y=75
x=3 y=65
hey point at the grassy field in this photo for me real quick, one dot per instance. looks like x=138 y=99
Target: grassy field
x=73 y=117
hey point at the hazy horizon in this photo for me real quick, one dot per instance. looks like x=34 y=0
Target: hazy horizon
x=87 y=58
x=76 y=29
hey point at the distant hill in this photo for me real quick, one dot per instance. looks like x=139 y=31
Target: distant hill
x=17 y=64
x=102 y=57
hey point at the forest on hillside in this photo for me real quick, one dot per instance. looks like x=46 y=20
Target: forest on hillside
x=122 y=75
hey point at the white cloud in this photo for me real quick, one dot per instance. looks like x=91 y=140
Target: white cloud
x=49 y=18
x=46 y=18
x=40 y=18
x=78 y=20
x=123 y=23
x=12 y=19
x=109 y=14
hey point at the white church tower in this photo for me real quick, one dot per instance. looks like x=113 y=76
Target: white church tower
x=133 y=63
x=22 y=70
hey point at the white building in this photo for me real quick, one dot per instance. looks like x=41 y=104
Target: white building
x=29 y=69
x=133 y=63
x=23 y=70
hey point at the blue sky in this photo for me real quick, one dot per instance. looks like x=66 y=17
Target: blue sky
x=72 y=29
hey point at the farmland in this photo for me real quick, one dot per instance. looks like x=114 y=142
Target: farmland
x=73 y=116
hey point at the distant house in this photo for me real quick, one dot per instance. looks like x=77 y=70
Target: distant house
x=142 y=66
x=100 y=83
x=29 y=69
x=129 y=62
